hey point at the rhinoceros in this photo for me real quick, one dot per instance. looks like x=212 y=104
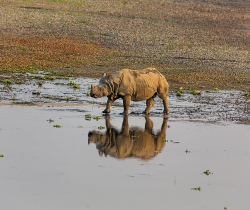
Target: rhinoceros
x=135 y=85
x=130 y=142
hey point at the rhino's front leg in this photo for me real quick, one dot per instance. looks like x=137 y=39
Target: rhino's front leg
x=126 y=104
x=108 y=105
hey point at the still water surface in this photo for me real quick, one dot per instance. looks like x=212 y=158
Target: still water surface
x=64 y=168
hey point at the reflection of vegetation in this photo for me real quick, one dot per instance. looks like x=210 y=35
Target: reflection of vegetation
x=1 y=155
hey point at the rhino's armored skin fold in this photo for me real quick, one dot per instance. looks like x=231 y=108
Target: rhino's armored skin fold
x=135 y=85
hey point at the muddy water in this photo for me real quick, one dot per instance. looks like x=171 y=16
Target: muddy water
x=97 y=162
x=45 y=167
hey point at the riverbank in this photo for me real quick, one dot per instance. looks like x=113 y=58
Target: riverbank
x=195 y=44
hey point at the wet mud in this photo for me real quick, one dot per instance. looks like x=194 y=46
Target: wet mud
x=216 y=106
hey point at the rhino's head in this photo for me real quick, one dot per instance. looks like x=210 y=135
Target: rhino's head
x=103 y=89
x=99 y=91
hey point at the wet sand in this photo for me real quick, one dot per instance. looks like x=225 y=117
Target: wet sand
x=55 y=168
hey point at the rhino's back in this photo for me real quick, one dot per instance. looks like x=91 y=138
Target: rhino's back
x=140 y=84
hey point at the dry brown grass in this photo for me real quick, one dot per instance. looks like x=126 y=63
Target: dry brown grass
x=48 y=52
x=199 y=44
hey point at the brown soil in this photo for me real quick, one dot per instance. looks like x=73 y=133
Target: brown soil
x=197 y=44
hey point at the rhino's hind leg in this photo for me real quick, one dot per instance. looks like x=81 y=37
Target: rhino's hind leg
x=165 y=104
x=150 y=103
x=164 y=98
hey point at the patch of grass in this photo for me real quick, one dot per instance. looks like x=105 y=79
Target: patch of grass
x=50 y=120
x=36 y=93
x=196 y=188
x=74 y=85
x=58 y=1
x=19 y=82
x=195 y=92
x=96 y=118
x=179 y=93
x=68 y=99
x=7 y=82
x=22 y=48
x=57 y=126
x=207 y=172
x=88 y=117
x=14 y=97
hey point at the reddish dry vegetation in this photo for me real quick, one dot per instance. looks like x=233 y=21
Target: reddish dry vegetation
x=198 y=44
x=46 y=52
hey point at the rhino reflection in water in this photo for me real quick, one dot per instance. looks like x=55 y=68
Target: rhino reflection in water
x=131 y=142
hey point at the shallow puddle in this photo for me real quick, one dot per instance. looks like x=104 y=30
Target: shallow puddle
x=45 y=167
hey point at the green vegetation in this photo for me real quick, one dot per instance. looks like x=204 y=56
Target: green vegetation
x=88 y=117
x=36 y=93
x=179 y=93
x=7 y=82
x=50 y=120
x=207 y=172
x=196 y=188
x=57 y=126
x=195 y=92
x=74 y=85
